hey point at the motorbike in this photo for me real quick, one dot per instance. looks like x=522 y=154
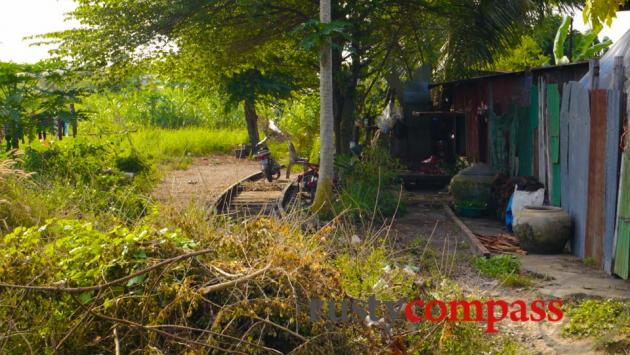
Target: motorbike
x=307 y=183
x=268 y=165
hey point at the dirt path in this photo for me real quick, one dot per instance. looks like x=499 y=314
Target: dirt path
x=426 y=217
x=203 y=180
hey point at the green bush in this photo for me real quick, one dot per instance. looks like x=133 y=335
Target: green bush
x=133 y=162
x=86 y=178
x=300 y=118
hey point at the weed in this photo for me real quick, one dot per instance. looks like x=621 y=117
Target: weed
x=505 y=268
x=516 y=281
x=588 y=261
x=497 y=266
x=373 y=274
x=594 y=318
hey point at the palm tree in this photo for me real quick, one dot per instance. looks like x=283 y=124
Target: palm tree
x=323 y=194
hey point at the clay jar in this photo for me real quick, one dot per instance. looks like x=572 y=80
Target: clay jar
x=542 y=229
x=473 y=184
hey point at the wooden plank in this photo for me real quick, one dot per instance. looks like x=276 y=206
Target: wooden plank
x=475 y=245
x=614 y=119
x=553 y=115
x=596 y=177
x=228 y=194
x=593 y=65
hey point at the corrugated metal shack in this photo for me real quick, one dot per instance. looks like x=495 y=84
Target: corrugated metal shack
x=543 y=123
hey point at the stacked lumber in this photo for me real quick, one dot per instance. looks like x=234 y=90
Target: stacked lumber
x=501 y=244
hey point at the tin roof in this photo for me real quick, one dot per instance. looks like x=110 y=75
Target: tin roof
x=512 y=74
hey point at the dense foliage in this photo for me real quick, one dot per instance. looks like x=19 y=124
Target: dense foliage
x=32 y=97
x=161 y=104
x=91 y=263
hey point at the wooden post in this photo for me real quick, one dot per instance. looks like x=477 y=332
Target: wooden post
x=618 y=74
x=594 y=70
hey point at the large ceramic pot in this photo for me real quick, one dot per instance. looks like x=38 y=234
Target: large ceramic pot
x=473 y=184
x=543 y=229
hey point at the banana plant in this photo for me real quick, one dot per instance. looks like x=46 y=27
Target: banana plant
x=585 y=45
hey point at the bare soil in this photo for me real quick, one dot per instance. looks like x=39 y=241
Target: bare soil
x=426 y=218
x=203 y=181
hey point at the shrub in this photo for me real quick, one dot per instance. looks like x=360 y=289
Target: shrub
x=81 y=177
x=71 y=253
x=370 y=184
x=133 y=162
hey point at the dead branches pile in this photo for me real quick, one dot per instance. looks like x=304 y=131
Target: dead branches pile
x=248 y=291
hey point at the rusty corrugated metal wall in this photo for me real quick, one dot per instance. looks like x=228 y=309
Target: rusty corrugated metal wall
x=594 y=244
x=579 y=155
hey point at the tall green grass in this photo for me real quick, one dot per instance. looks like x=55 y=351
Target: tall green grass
x=165 y=105
x=169 y=144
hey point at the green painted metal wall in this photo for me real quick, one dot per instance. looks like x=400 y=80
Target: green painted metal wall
x=553 y=115
x=622 y=250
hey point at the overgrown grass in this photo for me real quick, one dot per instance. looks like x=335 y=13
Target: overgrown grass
x=86 y=219
x=169 y=146
x=106 y=177
x=161 y=104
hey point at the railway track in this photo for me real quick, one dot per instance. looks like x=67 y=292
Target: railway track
x=254 y=196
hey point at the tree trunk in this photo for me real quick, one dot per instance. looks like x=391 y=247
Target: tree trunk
x=75 y=122
x=252 y=122
x=338 y=97
x=344 y=91
x=323 y=195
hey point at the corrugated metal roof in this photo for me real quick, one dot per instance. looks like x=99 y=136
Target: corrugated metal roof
x=511 y=74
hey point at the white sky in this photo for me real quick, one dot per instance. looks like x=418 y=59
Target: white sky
x=619 y=26
x=22 y=18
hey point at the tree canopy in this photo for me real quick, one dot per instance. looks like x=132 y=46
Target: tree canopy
x=214 y=44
